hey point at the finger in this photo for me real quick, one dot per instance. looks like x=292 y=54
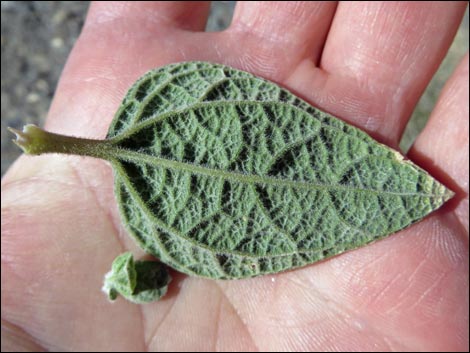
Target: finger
x=140 y=15
x=14 y=339
x=277 y=35
x=443 y=144
x=119 y=42
x=379 y=57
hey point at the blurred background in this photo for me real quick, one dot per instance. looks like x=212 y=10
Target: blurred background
x=37 y=36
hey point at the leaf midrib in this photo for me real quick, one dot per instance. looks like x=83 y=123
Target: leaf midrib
x=133 y=156
x=252 y=179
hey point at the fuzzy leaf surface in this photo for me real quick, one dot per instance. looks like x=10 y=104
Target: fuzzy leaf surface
x=226 y=175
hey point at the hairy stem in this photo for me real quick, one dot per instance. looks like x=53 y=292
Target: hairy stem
x=34 y=140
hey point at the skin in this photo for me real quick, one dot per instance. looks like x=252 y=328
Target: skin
x=365 y=63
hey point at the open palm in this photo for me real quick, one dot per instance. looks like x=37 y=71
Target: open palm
x=366 y=63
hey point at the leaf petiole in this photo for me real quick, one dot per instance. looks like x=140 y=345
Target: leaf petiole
x=35 y=141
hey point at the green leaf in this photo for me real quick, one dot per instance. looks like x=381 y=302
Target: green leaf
x=222 y=174
x=140 y=281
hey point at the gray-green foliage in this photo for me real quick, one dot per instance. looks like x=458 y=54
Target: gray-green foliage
x=222 y=174
x=139 y=281
x=226 y=175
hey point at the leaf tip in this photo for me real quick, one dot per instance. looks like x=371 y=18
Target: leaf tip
x=448 y=194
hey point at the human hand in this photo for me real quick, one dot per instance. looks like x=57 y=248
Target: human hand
x=61 y=228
